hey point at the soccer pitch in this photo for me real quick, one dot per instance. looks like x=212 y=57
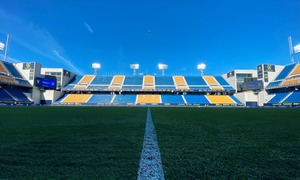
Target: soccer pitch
x=106 y=142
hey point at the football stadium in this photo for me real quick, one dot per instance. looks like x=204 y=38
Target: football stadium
x=241 y=124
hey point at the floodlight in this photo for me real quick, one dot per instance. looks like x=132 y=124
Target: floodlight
x=134 y=67
x=201 y=67
x=1 y=46
x=162 y=67
x=96 y=66
x=297 y=48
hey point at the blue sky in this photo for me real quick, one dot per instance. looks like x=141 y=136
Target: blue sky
x=225 y=35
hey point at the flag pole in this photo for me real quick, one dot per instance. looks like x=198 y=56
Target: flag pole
x=6 y=47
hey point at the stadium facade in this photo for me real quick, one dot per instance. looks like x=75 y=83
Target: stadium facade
x=268 y=85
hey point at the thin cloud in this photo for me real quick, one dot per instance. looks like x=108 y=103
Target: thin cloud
x=34 y=38
x=88 y=27
x=57 y=54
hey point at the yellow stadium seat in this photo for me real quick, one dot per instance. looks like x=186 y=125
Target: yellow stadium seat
x=148 y=82
x=296 y=70
x=84 y=82
x=220 y=99
x=2 y=69
x=77 y=98
x=117 y=82
x=180 y=82
x=148 y=99
x=290 y=82
x=212 y=82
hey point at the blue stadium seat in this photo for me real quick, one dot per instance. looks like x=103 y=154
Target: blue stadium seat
x=133 y=82
x=221 y=80
x=103 y=80
x=127 y=98
x=73 y=82
x=100 y=98
x=164 y=82
x=293 y=98
x=274 y=84
x=4 y=96
x=98 y=87
x=196 y=99
x=11 y=68
x=172 y=99
x=278 y=98
x=224 y=83
x=17 y=93
x=285 y=72
x=196 y=83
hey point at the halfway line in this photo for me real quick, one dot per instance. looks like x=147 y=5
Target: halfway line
x=150 y=163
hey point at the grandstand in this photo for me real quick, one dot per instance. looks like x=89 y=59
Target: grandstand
x=284 y=90
x=14 y=89
x=150 y=90
x=269 y=85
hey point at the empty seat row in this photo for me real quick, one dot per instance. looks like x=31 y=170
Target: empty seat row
x=121 y=82
x=14 y=94
x=150 y=99
x=284 y=97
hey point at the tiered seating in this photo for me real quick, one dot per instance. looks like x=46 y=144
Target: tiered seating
x=224 y=83
x=148 y=83
x=293 y=78
x=7 y=79
x=172 y=99
x=164 y=83
x=11 y=68
x=211 y=81
x=285 y=72
x=278 y=98
x=197 y=83
x=127 y=98
x=148 y=99
x=101 y=98
x=173 y=84
x=18 y=94
x=3 y=69
x=84 y=82
x=76 y=98
x=289 y=82
x=180 y=83
x=133 y=82
x=220 y=99
x=296 y=70
x=117 y=82
x=100 y=82
x=73 y=82
x=4 y=96
x=197 y=99
x=274 y=84
x=293 y=98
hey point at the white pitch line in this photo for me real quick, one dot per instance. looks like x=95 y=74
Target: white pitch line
x=150 y=163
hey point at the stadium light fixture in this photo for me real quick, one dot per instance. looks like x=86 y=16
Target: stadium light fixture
x=201 y=67
x=96 y=66
x=134 y=67
x=297 y=48
x=162 y=67
x=2 y=46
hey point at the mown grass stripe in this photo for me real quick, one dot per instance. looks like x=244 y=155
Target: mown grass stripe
x=150 y=163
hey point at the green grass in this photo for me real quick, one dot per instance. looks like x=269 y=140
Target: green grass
x=70 y=142
x=106 y=142
x=228 y=143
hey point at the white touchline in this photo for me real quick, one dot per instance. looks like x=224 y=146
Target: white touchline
x=150 y=163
